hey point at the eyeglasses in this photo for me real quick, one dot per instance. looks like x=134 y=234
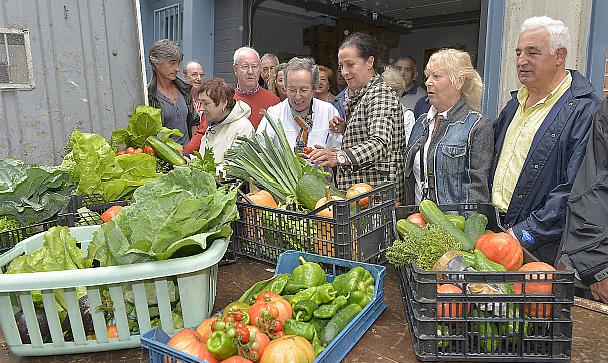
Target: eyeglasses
x=197 y=75
x=245 y=67
x=293 y=91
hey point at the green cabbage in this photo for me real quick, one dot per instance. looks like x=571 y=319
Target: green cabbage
x=177 y=214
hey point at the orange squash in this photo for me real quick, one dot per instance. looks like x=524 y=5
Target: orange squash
x=445 y=309
x=358 y=189
x=262 y=198
x=501 y=248
x=325 y=236
x=289 y=349
x=540 y=288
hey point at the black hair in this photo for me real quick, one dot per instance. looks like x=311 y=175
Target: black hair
x=366 y=47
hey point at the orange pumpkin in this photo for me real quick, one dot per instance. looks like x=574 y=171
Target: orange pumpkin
x=253 y=221
x=501 y=248
x=325 y=232
x=358 y=189
x=449 y=309
x=289 y=349
x=540 y=288
x=204 y=329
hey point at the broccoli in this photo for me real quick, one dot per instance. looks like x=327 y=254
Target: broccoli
x=8 y=223
x=423 y=251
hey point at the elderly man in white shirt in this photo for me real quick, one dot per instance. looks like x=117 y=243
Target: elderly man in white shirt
x=304 y=118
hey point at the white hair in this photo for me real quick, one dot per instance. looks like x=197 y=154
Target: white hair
x=559 y=36
x=241 y=51
x=270 y=56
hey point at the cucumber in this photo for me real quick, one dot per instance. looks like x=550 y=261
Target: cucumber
x=457 y=220
x=339 y=322
x=311 y=188
x=165 y=152
x=432 y=214
x=475 y=226
x=405 y=228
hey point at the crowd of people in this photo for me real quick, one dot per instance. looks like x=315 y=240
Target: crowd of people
x=373 y=124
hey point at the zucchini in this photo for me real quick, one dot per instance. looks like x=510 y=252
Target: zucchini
x=457 y=220
x=405 y=228
x=339 y=322
x=165 y=152
x=475 y=226
x=432 y=214
x=311 y=188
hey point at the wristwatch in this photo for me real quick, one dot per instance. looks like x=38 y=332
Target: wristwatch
x=341 y=157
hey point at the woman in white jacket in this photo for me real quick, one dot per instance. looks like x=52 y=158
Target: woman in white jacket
x=227 y=118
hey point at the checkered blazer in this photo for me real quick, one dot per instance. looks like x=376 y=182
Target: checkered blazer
x=374 y=139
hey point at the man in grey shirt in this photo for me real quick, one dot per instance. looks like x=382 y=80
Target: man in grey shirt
x=169 y=93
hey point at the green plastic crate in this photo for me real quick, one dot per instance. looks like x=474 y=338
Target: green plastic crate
x=195 y=278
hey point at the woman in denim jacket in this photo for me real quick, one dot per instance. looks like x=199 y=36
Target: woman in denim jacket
x=455 y=139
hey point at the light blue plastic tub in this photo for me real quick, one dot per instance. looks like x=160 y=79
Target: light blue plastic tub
x=194 y=276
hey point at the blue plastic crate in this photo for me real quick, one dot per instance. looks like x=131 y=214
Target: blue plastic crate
x=155 y=340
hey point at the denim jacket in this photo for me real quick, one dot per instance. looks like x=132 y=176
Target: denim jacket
x=458 y=158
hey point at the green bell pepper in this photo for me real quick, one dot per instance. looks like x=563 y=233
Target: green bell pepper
x=317 y=345
x=485 y=333
x=221 y=345
x=319 y=294
x=300 y=328
x=308 y=273
x=318 y=324
x=357 y=279
x=304 y=309
x=275 y=284
x=293 y=287
x=327 y=311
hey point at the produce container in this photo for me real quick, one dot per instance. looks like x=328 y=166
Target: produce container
x=93 y=202
x=357 y=232
x=155 y=340
x=487 y=327
x=150 y=287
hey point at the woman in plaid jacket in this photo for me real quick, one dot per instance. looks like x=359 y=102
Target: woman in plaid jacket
x=373 y=146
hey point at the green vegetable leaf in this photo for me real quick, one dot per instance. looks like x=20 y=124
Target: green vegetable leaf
x=178 y=214
x=204 y=163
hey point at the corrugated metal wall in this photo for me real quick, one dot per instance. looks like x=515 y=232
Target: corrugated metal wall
x=87 y=71
x=229 y=35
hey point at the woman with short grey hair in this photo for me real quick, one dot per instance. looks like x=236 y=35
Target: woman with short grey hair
x=169 y=93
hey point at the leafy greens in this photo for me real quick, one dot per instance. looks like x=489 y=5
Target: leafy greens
x=177 y=214
x=95 y=167
x=32 y=193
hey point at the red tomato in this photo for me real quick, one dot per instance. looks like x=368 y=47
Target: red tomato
x=191 y=342
x=267 y=300
x=110 y=213
x=417 y=218
x=112 y=331
x=130 y=150
x=236 y=359
x=204 y=329
x=138 y=151
x=307 y=149
x=540 y=288
x=121 y=152
x=148 y=150
x=501 y=248
x=261 y=339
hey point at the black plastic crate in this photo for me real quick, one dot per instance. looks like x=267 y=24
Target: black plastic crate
x=93 y=202
x=521 y=327
x=356 y=233
x=8 y=239
x=485 y=327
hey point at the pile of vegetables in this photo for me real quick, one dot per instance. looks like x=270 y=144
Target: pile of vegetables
x=288 y=318
x=449 y=244
x=30 y=194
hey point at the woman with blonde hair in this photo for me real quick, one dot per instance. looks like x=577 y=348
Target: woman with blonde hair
x=449 y=153
x=395 y=81
x=276 y=84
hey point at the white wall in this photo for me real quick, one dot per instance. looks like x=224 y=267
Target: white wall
x=416 y=42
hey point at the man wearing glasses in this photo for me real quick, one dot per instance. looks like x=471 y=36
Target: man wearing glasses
x=194 y=75
x=304 y=118
x=246 y=66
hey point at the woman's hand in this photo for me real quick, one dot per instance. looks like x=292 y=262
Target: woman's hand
x=323 y=157
x=337 y=125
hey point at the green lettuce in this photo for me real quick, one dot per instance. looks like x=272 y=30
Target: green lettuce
x=95 y=167
x=178 y=214
x=32 y=193
x=145 y=121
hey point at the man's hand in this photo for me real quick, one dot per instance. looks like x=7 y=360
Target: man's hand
x=323 y=157
x=337 y=125
x=600 y=290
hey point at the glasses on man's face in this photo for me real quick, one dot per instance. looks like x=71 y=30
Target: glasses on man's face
x=197 y=75
x=293 y=91
x=246 y=67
